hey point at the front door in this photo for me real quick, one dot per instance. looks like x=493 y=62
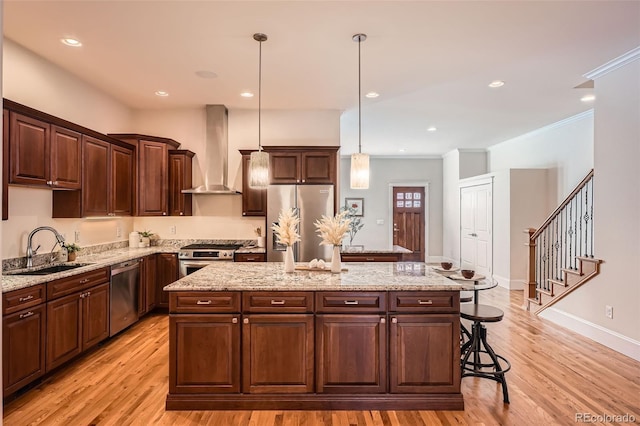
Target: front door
x=408 y=221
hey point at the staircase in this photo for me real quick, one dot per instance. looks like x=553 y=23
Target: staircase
x=561 y=250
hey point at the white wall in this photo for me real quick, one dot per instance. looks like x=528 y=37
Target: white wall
x=616 y=218
x=377 y=201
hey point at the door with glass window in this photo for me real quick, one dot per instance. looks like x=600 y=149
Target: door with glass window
x=408 y=221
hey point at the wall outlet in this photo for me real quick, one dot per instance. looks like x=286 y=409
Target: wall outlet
x=608 y=311
x=118 y=232
x=172 y=230
x=77 y=236
x=380 y=222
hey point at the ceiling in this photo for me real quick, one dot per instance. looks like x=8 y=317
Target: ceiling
x=430 y=61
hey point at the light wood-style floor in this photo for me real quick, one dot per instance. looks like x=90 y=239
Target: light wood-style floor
x=555 y=375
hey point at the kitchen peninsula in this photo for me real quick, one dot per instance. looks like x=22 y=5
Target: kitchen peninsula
x=376 y=336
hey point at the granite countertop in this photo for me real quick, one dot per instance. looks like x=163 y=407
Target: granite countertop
x=270 y=276
x=251 y=249
x=12 y=282
x=356 y=249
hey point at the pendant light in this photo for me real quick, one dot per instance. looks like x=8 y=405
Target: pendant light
x=359 y=161
x=259 y=161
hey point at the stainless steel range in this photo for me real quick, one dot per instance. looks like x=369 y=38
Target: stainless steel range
x=196 y=256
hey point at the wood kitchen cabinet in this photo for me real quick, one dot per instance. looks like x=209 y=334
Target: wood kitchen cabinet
x=5 y=164
x=43 y=154
x=152 y=189
x=23 y=337
x=254 y=201
x=167 y=273
x=250 y=257
x=305 y=165
x=371 y=257
x=180 y=177
x=147 y=289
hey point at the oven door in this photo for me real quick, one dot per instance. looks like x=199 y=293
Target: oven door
x=190 y=266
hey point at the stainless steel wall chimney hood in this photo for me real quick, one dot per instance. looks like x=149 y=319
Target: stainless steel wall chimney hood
x=216 y=154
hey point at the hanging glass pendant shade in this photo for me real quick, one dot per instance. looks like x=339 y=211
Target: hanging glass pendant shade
x=259 y=161
x=359 y=161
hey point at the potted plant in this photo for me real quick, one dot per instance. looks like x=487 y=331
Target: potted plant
x=145 y=240
x=71 y=249
x=355 y=223
x=261 y=238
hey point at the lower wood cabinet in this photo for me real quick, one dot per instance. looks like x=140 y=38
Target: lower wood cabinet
x=204 y=353
x=23 y=342
x=250 y=257
x=167 y=272
x=371 y=257
x=269 y=368
x=147 y=289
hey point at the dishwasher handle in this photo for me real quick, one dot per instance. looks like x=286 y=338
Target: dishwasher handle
x=124 y=267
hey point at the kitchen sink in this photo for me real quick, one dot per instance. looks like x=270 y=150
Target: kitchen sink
x=50 y=270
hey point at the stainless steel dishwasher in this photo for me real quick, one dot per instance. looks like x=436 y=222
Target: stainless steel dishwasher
x=123 y=310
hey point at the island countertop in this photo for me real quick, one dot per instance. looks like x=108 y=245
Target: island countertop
x=270 y=276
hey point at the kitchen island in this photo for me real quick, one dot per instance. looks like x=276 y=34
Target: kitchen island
x=376 y=336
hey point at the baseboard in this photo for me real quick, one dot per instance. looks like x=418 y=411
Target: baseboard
x=595 y=332
x=509 y=284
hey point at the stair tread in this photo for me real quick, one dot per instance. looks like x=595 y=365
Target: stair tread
x=547 y=292
x=589 y=259
x=572 y=271
x=534 y=301
x=558 y=282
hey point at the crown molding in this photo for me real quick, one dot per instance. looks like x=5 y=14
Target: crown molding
x=614 y=64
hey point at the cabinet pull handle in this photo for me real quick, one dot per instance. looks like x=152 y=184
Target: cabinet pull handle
x=425 y=302
x=234 y=320
x=394 y=320
x=249 y=259
x=84 y=281
x=370 y=259
x=277 y=302
x=383 y=320
x=203 y=302
x=24 y=299
x=350 y=302
x=27 y=315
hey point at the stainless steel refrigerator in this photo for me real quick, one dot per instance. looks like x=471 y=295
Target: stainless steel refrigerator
x=310 y=203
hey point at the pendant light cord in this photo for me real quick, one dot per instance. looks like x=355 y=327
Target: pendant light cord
x=359 y=100
x=259 y=97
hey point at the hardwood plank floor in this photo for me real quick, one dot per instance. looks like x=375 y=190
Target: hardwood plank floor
x=555 y=374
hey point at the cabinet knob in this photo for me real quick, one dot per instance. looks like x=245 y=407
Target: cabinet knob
x=164 y=213
x=49 y=183
x=246 y=320
x=303 y=180
x=394 y=320
x=55 y=183
x=181 y=213
x=383 y=320
x=234 y=320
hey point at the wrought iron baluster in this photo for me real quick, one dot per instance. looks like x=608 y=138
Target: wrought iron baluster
x=591 y=215
x=581 y=194
x=570 y=235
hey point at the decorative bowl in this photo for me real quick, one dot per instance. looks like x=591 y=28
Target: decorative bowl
x=446 y=265
x=468 y=273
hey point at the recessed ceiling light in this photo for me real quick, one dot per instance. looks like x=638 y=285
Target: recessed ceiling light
x=246 y=94
x=372 y=95
x=162 y=93
x=402 y=150
x=206 y=74
x=588 y=98
x=496 y=83
x=431 y=129
x=69 y=41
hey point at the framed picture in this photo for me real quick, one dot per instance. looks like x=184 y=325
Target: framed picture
x=355 y=203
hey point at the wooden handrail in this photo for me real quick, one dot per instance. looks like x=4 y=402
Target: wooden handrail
x=562 y=205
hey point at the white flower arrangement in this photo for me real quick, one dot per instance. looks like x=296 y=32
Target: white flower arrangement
x=286 y=227
x=333 y=229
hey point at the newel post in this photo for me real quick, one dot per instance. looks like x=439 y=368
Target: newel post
x=530 y=287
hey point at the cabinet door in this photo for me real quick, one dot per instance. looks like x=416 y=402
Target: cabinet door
x=147 y=289
x=95 y=316
x=153 y=179
x=95 y=177
x=64 y=330
x=5 y=164
x=284 y=167
x=23 y=343
x=30 y=150
x=351 y=354
x=267 y=366
x=318 y=167
x=167 y=273
x=204 y=353
x=424 y=353
x=254 y=201
x=122 y=181
x=180 y=178
x=66 y=158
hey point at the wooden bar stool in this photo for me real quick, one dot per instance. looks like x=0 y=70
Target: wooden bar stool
x=477 y=345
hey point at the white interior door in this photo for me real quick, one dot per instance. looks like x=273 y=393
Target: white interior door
x=476 y=215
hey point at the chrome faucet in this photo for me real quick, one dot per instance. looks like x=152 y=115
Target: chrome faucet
x=31 y=251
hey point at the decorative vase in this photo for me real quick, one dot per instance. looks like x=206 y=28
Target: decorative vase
x=289 y=264
x=145 y=241
x=71 y=256
x=261 y=241
x=336 y=261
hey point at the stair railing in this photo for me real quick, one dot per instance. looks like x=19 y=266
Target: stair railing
x=563 y=237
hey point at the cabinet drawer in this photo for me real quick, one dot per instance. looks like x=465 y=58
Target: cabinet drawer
x=277 y=301
x=371 y=257
x=69 y=285
x=203 y=301
x=250 y=257
x=14 y=301
x=340 y=301
x=428 y=301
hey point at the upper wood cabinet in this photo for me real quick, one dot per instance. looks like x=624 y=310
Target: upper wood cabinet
x=5 y=164
x=122 y=178
x=43 y=154
x=152 y=187
x=96 y=168
x=180 y=177
x=305 y=165
x=254 y=201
